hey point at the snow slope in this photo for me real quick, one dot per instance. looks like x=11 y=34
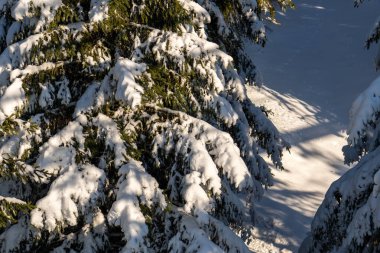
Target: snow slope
x=314 y=66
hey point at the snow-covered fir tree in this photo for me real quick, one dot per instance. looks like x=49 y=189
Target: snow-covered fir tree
x=348 y=219
x=125 y=125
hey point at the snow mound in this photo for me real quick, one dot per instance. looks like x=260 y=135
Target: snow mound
x=71 y=194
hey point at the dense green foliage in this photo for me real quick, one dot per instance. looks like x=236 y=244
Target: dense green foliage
x=132 y=121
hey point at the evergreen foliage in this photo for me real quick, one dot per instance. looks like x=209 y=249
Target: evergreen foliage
x=125 y=125
x=374 y=36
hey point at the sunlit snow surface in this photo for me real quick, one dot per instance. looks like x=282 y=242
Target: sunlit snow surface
x=315 y=65
x=314 y=162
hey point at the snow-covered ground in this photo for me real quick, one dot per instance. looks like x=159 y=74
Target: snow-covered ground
x=313 y=67
x=314 y=162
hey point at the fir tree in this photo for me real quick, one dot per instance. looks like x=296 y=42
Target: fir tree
x=374 y=36
x=126 y=126
x=348 y=219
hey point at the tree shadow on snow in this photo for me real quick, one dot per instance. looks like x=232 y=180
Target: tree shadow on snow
x=292 y=213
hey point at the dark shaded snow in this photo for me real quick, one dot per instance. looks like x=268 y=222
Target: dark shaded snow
x=317 y=54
